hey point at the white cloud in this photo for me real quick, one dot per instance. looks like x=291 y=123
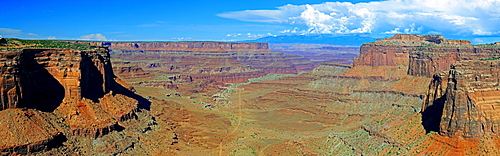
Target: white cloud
x=249 y=35
x=433 y=33
x=295 y=30
x=467 y=17
x=181 y=38
x=279 y=15
x=8 y=31
x=51 y=38
x=395 y=31
x=477 y=40
x=98 y=37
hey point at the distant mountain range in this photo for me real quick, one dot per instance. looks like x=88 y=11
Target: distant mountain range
x=354 y=40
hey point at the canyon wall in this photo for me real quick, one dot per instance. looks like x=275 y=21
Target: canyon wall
x=78 y=87
x=186 y=46
x=423 y=55
x=472 y=95
x=461 y=96
x=42 y=78
x=205 y=63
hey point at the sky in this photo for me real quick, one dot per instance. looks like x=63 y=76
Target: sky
x=237 y=20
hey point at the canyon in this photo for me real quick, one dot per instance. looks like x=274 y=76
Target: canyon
x=394 y=99
x=199 y=66
x=404 y=95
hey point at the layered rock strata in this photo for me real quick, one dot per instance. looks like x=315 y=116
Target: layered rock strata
x=423 y=55
x=221 y=61
x=461 y=97
x=186 y=46
x=472 y=99
x=77 y=86
x=330 y=69
x=207 y=64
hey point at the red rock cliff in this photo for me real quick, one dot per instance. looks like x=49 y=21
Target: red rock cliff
x=35 y=77
x=187 y=46
x=78 y=86
x=423 y=55
x=472 y=95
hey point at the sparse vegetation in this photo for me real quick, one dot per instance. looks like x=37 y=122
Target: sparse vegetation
x=14 y=43
x=490 y=59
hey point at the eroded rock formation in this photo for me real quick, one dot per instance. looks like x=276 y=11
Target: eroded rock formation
x=77 y=86
x=458 y=102
x=471 y=99
x=423 y=55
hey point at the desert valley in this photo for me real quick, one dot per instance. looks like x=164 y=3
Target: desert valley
x=403 y=95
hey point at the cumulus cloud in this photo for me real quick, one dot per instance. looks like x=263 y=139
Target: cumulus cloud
x=410 y=30
x=98 y=37
x=460 y=17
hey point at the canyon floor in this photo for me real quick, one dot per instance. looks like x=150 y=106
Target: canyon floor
x=373 y=108
x=307 y=114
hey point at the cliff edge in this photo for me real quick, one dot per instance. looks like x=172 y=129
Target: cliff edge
x=58 y=93
x=422 y=55
x=471 y=101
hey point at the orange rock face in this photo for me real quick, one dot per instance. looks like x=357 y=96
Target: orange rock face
x=470 y=109
x=27 y=131
x=423 y=55
x=78 y=86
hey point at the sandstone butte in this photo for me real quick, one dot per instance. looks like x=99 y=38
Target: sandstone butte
x=50 y=94
x=469 y=99
x=465 y=83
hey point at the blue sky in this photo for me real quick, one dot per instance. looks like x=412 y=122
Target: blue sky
x=172 y=20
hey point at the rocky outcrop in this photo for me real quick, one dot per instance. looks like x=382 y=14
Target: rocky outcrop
x=186 y=46
x=27 y=131
x=471 y=105
x=44 y=78
x=423 y=55
x=461 y=98
x=77 y=86
x=10 y=83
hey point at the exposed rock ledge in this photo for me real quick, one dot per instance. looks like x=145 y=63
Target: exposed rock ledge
x=75 y=88
x=470 y=104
